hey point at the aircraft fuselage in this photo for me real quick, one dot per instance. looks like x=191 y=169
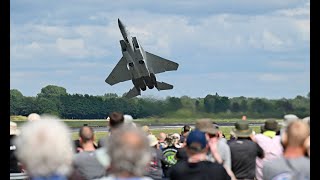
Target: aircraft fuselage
x=137 y=63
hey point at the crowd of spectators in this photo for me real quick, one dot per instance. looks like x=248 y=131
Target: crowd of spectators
x=43 y=149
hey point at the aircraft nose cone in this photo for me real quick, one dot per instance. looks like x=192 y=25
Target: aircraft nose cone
x=119 y=23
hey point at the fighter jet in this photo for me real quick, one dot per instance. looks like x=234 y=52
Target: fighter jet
x=139 y=66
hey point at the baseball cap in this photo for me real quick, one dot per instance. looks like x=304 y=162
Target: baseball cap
x=196 y=140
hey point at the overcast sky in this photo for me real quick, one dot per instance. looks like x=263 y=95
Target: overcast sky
x=235 y=48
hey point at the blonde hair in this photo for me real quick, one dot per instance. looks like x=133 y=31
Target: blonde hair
x=45 y=147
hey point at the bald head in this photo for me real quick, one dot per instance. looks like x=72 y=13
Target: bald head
x=162 y=136
x=34 y=117
x=86 y=134
x=297 y=132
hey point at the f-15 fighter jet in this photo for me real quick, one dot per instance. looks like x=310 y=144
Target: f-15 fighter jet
x=139 y=66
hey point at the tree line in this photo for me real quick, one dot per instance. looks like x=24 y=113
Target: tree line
x=56 y=101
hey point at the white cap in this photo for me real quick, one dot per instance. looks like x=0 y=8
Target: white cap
x=288 y=118
x=127 y=118
x=14 y=129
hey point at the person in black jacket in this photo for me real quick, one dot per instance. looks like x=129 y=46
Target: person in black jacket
x=197 y=166
x=14 y=166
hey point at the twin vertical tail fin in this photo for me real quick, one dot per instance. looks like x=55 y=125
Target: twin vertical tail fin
x=135 y=92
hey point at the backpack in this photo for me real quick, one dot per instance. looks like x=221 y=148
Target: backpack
x=293 y=175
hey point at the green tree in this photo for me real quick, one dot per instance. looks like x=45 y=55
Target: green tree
x=174 y=103
x=16 y=99
x=52 y=91
x=28 y=106
x=243 y=106
x=209 y=103
x=235 y=107
x=283 y=106
x=47 y=106
x=260 y=106
x=221 y=103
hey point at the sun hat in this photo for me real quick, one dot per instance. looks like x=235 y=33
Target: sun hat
x=152 y=140
x=270 y=125
x=206 y=125
x=242 y=129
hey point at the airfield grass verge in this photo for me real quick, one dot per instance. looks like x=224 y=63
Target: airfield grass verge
x=226 y=131
x=77 y=123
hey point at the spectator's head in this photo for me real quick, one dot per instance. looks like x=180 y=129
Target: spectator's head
x=86 y=134
x=206 y=126
x=45 y=147
x=153 y=141
x=270 y=125
x=216 y=126
x=176 y=140
x=288 y=118
x=306 y=120
x=116 y=119
x=128 y=119
x=162 y=136
x=146 y=129
x=33 y=117
x=176 y=136
x=14 y=129
x=170 y=140
x=196 y=142
x=129 y=152
x=296 y=134
x=242 y=130
x=185 y=130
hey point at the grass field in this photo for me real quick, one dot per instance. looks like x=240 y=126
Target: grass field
x=76 y=123
x=225 y=130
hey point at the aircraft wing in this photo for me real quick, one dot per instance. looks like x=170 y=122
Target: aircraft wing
x=160 y=64
x=119 y=73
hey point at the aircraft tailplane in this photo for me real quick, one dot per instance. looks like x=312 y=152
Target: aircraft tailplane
x=163 y=86
x=132 y=93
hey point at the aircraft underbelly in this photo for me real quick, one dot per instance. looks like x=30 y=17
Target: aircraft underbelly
x=138 y=65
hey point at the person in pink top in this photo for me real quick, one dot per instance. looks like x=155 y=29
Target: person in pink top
x=270 y=142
